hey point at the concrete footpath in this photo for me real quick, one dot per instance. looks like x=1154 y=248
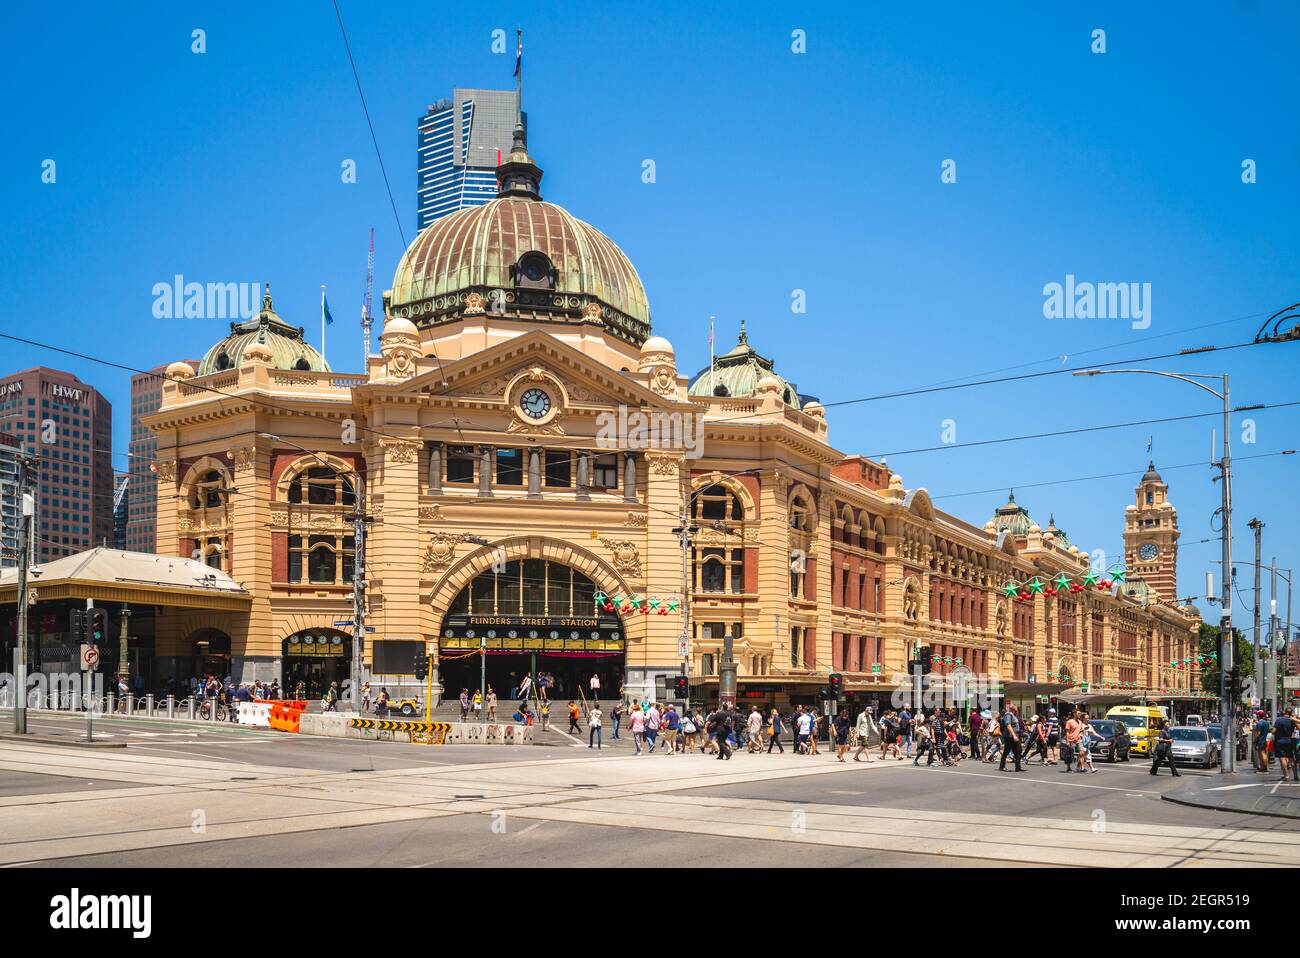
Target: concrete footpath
x=1254 y=793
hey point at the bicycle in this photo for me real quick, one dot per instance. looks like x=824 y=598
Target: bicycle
x=204 y=711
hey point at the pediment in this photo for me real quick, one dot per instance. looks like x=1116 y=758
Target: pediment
x=488 y=376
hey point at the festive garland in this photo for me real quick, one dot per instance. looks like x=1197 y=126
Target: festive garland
x=636 y=603
x=1025 y=591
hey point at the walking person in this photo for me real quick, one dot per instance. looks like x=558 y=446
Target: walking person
x=924 y=744
x=753 y=725
x=365 y=697
x=866 y=726
x=796 y=728
x=653 y=719
x=976 y=721
x=525 y=686
x=689 y=729
x=774 y=729
x=491 y=705
x=478 y=705
x=1085 y=743
x=464 y=705
x=1260 y=740
x=670 y=722
x=595 y=687
x=1162 y=751
x=593 y=726
x=636 y=718
x=1053 y=737
x=1073 y=738
x=1284 y=743
x=616 y=713
x=1011 y=733
x=841 y=733
x=573 y=717
x=905 y=730
x=720 y=725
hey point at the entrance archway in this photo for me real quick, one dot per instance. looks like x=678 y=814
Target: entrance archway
x=211 y=650
x=316 y=658
x=530 y=616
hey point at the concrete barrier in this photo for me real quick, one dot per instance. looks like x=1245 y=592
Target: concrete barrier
x=256 y=714
x=345 y=725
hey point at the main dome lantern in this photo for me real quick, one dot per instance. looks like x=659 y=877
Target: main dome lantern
x=520 y=258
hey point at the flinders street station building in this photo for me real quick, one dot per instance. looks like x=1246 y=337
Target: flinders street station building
x=542 y=488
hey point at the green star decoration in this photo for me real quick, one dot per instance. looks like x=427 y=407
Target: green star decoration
x=1062 y=582
x=1090 y=578
x=1117 y=575
x=654 y=603
x=1035 y=585
x=636 y=602
x=672 y=605
x=1010 y=590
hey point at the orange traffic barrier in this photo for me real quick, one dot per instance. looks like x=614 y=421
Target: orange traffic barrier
x=284 y=717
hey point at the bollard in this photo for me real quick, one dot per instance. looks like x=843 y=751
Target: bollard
x=110 y=705
x=148 y=705
x=130 y=703
x=191 y=706
x=171 y=705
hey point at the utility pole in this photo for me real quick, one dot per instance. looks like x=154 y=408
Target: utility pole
x=27 y=504
x=1258 y=526
x=1227 y=641
x=1272 y=638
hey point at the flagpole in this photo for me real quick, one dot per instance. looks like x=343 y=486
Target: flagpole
x=519 y=76
x=322 y=322
x=712 y=361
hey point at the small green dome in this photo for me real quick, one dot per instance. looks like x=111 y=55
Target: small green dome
x=738 y=373
x=1012 y=517
x=289 y=350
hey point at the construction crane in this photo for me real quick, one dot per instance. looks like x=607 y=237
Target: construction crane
x=367 y=316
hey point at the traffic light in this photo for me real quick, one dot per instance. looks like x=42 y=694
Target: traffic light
x=925 y=654
x=421 y=665
x=681 y=686
x=1234 y=682
x=77 y=623
x=835 y=682
x=96 y=626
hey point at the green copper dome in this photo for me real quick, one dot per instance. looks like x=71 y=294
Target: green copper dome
x=1012 y=517
x=520 y=258
x=289 y=350
x=738 y=372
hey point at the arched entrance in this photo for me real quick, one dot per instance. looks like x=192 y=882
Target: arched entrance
x=525 y=617
x=316 y=657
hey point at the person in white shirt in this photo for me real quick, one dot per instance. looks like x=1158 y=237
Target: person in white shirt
x=593 y=724
x=805 y=730
x=595 y=687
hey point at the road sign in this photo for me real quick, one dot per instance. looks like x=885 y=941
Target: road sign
x=1291 y=681
x=344 y=624
x=89 y=657
x=368 y=628
x=683 y=646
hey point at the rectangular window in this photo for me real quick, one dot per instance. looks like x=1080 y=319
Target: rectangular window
x=510 y=467
x=460 y=464
x=558 y=469
x=606 y=472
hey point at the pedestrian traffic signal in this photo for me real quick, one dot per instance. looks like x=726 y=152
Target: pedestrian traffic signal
x=1234 y=682
x=96 y=624
x=681 y=687
x=421 y=665
x=835 y=682
x=925 y=653
x=77 y=624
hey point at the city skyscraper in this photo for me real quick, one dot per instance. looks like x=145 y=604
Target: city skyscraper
x=460 y=143
x=121 y=486
x=142 y=492
x=10 y=507
x=69 y=427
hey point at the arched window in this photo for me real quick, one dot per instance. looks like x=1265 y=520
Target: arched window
x=321 y=486
x=528 y=587
x=207 y=491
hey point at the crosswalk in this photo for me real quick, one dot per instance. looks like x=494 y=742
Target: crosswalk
x=170 y=800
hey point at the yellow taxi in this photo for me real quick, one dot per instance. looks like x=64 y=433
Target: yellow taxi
x=1142 y=722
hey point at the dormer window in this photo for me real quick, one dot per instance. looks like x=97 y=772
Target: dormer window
x=223 y=360
x=534 y=271
x=303 y=365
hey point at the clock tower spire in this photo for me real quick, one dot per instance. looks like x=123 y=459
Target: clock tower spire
x=1151 y=536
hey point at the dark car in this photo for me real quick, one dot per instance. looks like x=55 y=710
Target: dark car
x=1110 y=740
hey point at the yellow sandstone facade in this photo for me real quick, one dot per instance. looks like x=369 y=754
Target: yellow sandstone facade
x=519 y=453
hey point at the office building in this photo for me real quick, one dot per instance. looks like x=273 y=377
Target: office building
x=69 y=426
x=141 y=505
x=460 y=143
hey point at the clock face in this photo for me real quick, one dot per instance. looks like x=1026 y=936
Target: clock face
x=535 y=403
x=1148 y=552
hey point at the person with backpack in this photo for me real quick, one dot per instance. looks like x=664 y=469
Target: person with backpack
x=866 y=726
x=1284 y=743
x=636 y=718
x=616 y=714
x=720 y=725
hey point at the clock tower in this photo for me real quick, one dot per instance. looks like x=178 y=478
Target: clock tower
x=1151 y=536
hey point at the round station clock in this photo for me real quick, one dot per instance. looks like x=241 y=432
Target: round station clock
x=535 y=403
x=1148 y=551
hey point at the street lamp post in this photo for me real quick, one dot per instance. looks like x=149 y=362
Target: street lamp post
x=1227 y=646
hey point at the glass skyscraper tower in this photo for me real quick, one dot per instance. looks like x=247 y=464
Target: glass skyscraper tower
x=461 y=141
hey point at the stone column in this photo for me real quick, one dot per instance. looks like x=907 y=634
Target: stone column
x=435 y=468
x=629 y=477
x=534 y=475
x=485 y=470
x=584 y=477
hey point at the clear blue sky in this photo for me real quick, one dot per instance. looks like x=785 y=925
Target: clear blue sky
x=775 y=172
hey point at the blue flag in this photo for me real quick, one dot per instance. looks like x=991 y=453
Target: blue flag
x=325 y=311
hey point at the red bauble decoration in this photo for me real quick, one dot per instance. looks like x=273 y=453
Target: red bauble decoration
x=1050 y=591
x=645 y=609
x=1024 y=596
x=608 y=606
